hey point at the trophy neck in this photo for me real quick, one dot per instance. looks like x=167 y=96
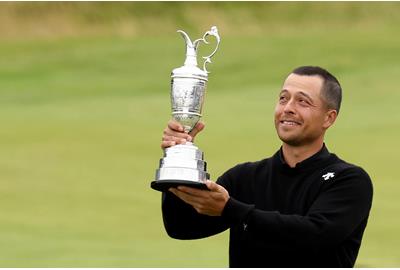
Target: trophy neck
x=191 y=56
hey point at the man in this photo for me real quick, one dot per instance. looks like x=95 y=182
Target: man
x=302 y=207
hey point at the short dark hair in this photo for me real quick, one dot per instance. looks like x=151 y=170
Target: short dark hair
x=331 y=91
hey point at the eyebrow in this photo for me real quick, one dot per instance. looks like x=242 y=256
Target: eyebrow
x=306 y=95
x=283 y=91
x=300 y=92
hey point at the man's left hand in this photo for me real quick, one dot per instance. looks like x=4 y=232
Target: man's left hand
x=207 y=202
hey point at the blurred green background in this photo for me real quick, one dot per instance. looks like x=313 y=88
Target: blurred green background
x=84 y=96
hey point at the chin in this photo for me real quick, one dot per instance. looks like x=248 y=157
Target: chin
x=290 y=140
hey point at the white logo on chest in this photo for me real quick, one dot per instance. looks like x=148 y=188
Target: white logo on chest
x=328 y=175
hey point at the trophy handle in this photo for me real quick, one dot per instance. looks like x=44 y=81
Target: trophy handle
x=212 y=32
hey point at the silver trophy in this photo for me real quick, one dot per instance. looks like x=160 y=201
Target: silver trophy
x=184 y=164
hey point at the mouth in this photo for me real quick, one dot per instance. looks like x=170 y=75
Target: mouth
x=289 y=123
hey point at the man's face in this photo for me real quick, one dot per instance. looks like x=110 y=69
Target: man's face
x=301 y=114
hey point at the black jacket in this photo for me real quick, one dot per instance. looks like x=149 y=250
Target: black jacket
x=313 y=215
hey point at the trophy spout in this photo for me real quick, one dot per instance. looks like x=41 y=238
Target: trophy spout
x=191 y=50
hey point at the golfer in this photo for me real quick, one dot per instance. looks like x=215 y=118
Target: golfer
x=302 y=207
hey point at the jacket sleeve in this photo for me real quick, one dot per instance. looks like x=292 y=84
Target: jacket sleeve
x=181 y=220
x=340 y=208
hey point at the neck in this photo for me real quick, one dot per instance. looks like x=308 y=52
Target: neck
x=295 y=154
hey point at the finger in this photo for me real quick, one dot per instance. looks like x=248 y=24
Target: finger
x=168 y=138
x=174 y=125
x=169 y=132
x=187 y=198
x=193 y=191
x=166 y=144
x=197 y=128
x=172 y=190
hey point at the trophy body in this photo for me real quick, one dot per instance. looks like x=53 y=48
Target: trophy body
x=184 y=164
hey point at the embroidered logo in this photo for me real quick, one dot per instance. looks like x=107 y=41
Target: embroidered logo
x=328 y=175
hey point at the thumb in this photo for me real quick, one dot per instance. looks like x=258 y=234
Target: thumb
x=212 y=186
x=197 y=128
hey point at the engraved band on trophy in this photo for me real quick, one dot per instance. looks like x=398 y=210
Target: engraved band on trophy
x=184 y=164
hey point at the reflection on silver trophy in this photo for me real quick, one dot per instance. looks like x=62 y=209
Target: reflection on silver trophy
x=184 y=164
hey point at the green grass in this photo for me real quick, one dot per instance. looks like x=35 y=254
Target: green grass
x=81 y=121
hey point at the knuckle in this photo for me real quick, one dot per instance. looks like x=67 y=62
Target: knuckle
x=172 y=125
x=200 y=209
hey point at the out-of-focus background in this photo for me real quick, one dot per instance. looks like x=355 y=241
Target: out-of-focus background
x=84 y=96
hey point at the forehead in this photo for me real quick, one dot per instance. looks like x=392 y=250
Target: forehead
x=310 y=85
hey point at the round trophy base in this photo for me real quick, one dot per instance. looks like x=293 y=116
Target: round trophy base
x=164 y=185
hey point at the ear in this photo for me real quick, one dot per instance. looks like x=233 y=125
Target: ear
x=330 y=118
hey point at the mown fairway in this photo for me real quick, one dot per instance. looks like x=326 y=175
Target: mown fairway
x=81 y=122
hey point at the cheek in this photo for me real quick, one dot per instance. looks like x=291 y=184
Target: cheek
x=316 y=121
x=278 y=110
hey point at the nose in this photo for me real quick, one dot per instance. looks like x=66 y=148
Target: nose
x=289 y=107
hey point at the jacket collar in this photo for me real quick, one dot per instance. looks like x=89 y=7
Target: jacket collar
x=310 y=162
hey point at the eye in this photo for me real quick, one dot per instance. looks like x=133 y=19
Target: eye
x=304 y=102
x=282 y=99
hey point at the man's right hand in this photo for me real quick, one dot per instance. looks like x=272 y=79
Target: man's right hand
x=174 y=134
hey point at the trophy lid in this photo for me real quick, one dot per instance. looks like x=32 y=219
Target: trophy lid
x=190 y=68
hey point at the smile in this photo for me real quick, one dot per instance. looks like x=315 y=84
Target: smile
x=289 y=123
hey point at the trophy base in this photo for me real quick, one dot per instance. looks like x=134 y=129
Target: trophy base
x=164 y=185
